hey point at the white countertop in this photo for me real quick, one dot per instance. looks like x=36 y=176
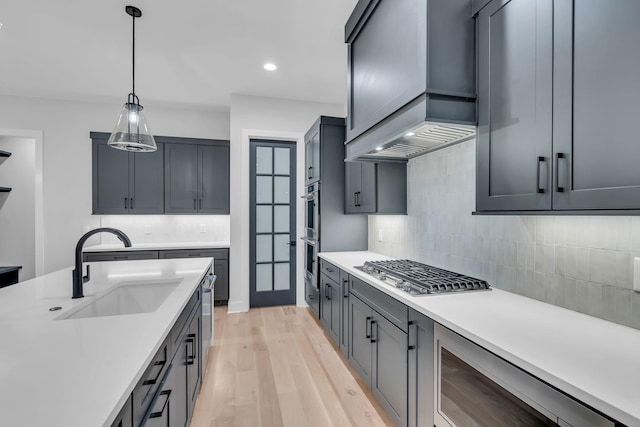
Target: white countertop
x=157 y=246
x=80 y=372
x=596 y=361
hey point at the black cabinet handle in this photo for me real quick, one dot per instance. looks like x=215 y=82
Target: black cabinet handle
x=131 y=203
x=155 y=380
x=310 y=175
x=357 y=203
x=330 y=270
x=164 y=405
x=367 y=328
x=540 y=187
x=195 y=255
x=311 y=296
x=123 y=257
x=558 y=157
x=373 y=322
x=126 y=205
x=409 y=334
x=346 y=288
x=328 y=287
x=191 y=340
x=194 y=204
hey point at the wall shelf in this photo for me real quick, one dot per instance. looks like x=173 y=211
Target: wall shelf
x=5 y=154
x=5 y=189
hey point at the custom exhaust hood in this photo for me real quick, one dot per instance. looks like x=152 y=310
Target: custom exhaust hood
x=412 y=85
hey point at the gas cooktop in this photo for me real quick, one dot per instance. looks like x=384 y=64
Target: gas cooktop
x=422 y=279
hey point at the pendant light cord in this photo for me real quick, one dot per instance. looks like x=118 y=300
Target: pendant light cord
x=133 y=61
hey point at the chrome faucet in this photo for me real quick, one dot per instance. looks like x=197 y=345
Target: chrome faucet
x=78 y=278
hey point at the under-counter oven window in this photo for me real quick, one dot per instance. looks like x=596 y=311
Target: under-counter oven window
x=471 y=399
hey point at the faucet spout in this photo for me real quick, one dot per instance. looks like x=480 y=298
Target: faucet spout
x=78 y=279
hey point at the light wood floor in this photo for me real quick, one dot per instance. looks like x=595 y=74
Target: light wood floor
x=276 y=367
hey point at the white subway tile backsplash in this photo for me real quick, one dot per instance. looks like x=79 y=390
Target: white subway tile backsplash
x=582 y=263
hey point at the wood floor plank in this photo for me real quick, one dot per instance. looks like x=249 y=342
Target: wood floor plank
x=276 y=367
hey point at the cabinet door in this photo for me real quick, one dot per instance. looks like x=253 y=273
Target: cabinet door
x=389 y=370
x=352 y=186
x=368 y=191
x=334 y=326
x=110 y=179
x=344 y=313
x=312 y=156
x=596 y=68
x=178 y=381
x=421 y=374
x=213 y=179
x=360 y=316
x=325 y=304
x=180 y=178
x=146 y=186
x=514 y=105
x=194 y=361
x=221 y=288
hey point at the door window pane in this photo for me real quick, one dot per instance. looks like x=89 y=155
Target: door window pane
x=281 y=276
x=281 y=161
x=281 y=189
x=281 y=219
x=264 y=189
x=263 y=248
x=264 y=219
x=264 y=160
x=264 y=281
x=281 y=247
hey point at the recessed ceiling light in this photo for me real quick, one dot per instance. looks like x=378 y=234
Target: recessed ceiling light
x=378 y=148
x=409 y=134
x=269 y=66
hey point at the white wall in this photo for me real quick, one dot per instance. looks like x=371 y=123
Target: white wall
x=67 y=156
x=17 y=209
x=256 y=117
x=577 y=262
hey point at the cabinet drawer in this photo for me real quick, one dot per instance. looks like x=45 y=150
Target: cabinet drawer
x=330 y=270
x=195 y=253
x=149 y=383
x=119 y=256
x=392 y=309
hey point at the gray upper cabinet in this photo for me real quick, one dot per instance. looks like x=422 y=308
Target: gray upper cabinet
x=409 y=61
x=196 y=178
x=312 y=157
x=375 y=188
x=596 y=69
x=557 y=105
x=124 y=182
x=514 y=105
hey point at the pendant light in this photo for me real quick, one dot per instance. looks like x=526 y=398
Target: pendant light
x=132 y=132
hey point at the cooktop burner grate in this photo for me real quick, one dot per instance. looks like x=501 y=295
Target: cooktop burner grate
x=423 y=279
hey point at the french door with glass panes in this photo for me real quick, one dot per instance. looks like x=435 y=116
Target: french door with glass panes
x=272 y=223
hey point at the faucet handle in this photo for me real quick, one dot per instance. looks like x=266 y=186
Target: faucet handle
x=85 y=279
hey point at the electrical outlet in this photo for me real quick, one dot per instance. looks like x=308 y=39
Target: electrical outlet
x=203 y=228
x=636 y=274
x=147 y=229
x=380 y=235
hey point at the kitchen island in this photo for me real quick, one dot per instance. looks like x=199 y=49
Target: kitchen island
x=81 y=371
x=592 y=360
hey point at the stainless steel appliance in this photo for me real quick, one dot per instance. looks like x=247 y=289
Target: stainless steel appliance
x=312 y=208
x=422 y=279
x=207 y=285
x=474 y=387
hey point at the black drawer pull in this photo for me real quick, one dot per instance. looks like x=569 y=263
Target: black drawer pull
x=558 y=157
x=367 y=327
x=131 y=202
x=191 y=339
x=409 y=335
x=164 y=405
x=540 y=187
x=194 y=255
x=373 y=322
x=121 y=257
x=125 y=203
x=155 y=380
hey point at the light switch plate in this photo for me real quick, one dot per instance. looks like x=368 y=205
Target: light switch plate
x=636 y=274
x=380 y=235
x=203 y=228
x=147 y=229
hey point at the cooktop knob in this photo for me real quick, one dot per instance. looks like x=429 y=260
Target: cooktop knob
x=382 y=275
x=399 y=283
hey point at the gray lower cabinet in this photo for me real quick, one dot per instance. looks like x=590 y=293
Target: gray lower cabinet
x=124 y=417
x=378 y=352
x=378 y=188
x=421 y=375
x=515 y=89
x=344 y=310
x=196 y=178
x=124 y=182
x=330 y=310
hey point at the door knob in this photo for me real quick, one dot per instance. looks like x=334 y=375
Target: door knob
x=291 y=243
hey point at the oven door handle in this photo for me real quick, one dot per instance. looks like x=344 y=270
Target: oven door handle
x=308 y=241
x=310 y=196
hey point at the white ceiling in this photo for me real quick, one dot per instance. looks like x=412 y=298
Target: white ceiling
x=195 y=52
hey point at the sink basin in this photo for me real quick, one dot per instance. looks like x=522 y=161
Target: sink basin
x=126 y=298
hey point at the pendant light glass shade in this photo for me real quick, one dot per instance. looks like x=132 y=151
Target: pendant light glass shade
x=132 y=131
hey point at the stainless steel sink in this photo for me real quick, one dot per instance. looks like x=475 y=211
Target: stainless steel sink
x=126 y=298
